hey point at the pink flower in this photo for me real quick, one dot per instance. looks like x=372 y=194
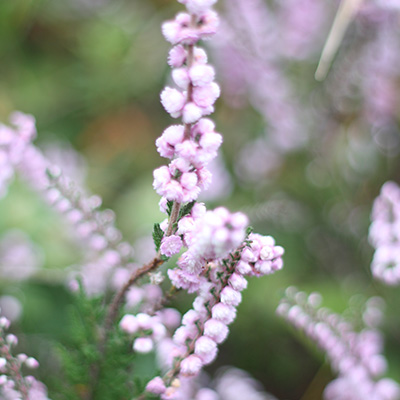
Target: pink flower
x=200 y=56
x=172 y=136
x=191 y=113
x=188 y=180
x=216 y=330
x=244 y=268
x=198 y=6
x=207 y=394
x=190 y=263
x=25 y=124
x=206 y=349
x=184 y=280
x=230 y=296
x=210 y=142
x=184 y=333
x=201 y=74
x=181 y=77
x=188 y=150
x=191 y=317
x=179 y=30
x=238 y=282
x=214 y=236
x=145 y=321
x=263 y=267
x=129 y=324
x=161 y=176
x=203 y=126
x=170 y=317
x=209 y=22
x=248 y=256
x=177 y=56
x=224 y=313
x=191 y=365
x=143 y=345
x=172 y=29
x=173 y=101
x=156 y=386
x=31 y=363
x=205 y=96
x=204 y=177
x=170 y=245
x=173 y=191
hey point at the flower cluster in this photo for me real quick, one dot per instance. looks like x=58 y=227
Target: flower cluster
x=219 y=253
x=384 y=234
x=146 y=329
x=249 y=53
x=355 y=356
x=194 y=144
x=13 y=141
x=13 y=384
x=212 y=237
x=230 y=384
x=195 y=342
x=91 y=227
x=235 y=384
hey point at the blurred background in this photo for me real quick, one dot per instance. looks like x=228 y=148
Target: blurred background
x=304 y=159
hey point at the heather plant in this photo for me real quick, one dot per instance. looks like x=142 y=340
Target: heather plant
x=220 y=250
x=384 y=234
x=149 y=319
x=13 y=382
x=354 y=352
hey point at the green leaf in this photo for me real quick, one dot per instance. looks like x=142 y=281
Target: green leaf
x=158 y=234
x=186 y=209
x=170 y=204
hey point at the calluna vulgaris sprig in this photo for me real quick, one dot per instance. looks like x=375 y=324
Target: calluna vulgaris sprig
x=14 y=385
x=355 y=355
x=219 y=251
x=93 y=229
x=384 y=234
x=215 y=252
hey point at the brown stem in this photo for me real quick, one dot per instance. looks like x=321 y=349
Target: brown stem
x=118 y=298
x=173 y=218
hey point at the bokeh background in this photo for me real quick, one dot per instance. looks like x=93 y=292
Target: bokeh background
x=304 y=159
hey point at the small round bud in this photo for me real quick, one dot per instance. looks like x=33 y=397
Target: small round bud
x=156 y=386
x=143 y=345
x=12 y=340
x=31 y=363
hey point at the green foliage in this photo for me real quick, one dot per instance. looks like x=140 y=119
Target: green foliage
x=170 y=204
x=157 y=236
x=186 y=209
x=249 y=230
x=80 y=352
x=81 y=359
